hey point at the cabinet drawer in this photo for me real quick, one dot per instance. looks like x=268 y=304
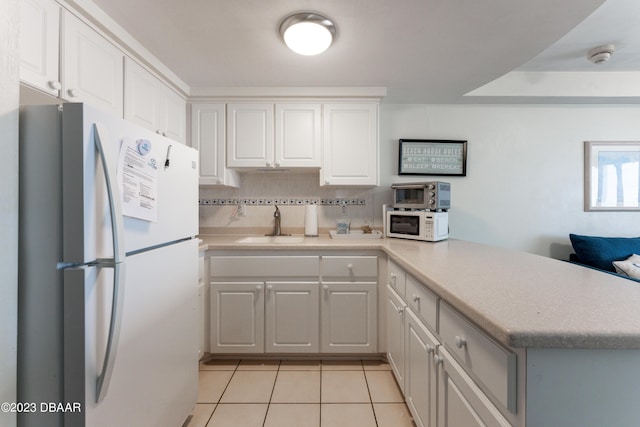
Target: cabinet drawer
x=396 y=277
x=351 y=268
x=422 y=301
x=264 y=266
x=492 y=364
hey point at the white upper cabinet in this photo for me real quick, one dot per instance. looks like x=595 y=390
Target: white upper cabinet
x=250 y=135
x=140 y=101
x=173 y=114
x=298 y=131
x=350 y=144
x=150 y=103
x=39 y=45
x=92 y=67
x=266 y=135
x=208 y=137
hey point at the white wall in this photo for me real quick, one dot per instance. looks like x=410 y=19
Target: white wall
x=524 y=184
x=8 y=203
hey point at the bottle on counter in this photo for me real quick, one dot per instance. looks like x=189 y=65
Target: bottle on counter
x=343 y=223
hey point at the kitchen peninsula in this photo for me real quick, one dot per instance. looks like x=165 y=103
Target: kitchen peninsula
x=518 y=339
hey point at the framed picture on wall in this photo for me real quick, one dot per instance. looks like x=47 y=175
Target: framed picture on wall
x=611 y=176
x=432 y=157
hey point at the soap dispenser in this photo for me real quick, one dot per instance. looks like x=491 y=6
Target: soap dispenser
x=343 y=223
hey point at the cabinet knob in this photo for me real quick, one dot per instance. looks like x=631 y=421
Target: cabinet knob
x=431 y=349
x=400 y=310
x=438 y=360
x=277 y=164
x=350 y=266
x=269 y=288
x=326 y=288
x=219 y=181
x=460 y=341
x=73 y=93
x=416 y=298
x=258 y=288
x=327 y=182
x=268 y=164
x=55 y=85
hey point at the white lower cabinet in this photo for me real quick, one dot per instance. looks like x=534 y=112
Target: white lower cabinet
x=291 y=317
x=461 y=402
x=441 y=391
x=237 y=317
x=349 y=320
x=280 y=304
x=396 y=312
x=420 y=378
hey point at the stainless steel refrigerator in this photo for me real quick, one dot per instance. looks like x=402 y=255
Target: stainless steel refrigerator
x=108 y=272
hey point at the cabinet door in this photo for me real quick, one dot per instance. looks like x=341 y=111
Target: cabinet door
x=92 y=68
x=39 y=44
x=237 y=317
x=141 y=96
x=420 y=379
x=349 y=317
x=292 y=316
x=172 y=114
x=395 y=334
x=350 y=144
x=298 y=135
x=208 y=137
x=250 y=135
x=152 y=104
x=461 y=402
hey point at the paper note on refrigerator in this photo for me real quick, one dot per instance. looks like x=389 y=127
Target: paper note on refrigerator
x=138 y=179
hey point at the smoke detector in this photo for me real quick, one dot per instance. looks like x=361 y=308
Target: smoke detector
x=601 y=54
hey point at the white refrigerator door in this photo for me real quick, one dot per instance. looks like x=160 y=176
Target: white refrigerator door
x=155 y=372
x=87 y=224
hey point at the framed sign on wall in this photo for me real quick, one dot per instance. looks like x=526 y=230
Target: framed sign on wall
x=432 y=157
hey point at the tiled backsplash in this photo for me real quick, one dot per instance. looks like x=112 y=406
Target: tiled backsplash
x=280 y=201
x=250 y=207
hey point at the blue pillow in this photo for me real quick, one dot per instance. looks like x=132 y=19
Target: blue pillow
x=600 y=252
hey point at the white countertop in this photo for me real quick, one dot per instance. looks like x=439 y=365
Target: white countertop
x=521 y=299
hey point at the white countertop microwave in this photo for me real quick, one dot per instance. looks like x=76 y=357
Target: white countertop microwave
x=422 y=225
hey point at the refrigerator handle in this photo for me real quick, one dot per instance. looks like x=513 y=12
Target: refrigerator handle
x=117 y=232
x=115 y=208
x=103 y=380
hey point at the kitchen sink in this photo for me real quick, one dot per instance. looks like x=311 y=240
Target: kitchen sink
x=272 y=239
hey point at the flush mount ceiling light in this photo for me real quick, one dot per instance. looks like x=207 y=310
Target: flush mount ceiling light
x=601 y=54
x=307 y=33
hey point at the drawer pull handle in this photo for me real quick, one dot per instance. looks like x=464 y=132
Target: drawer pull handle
x=460 y=341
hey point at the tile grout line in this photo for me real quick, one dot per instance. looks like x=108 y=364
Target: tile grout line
x=264 y=421
x=222 y=394
x=366 y=380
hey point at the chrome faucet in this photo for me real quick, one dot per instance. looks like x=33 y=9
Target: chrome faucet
x=277 y=229
x=276 y=222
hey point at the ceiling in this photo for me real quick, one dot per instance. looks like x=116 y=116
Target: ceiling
x=422 y=51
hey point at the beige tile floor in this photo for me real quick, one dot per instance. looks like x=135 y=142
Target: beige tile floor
x=290 y=393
